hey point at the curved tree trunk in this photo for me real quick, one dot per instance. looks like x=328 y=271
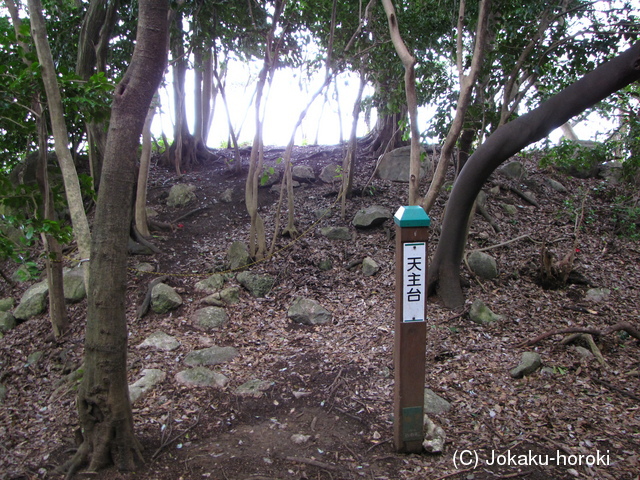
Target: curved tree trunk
x=386 y=134
x=104 y=408
x=444 y=272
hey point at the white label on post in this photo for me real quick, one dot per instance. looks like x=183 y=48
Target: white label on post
x=414 y=282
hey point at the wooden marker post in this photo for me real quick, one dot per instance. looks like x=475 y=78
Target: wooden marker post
x=409 y=357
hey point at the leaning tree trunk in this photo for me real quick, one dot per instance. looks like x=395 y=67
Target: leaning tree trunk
x=444 y=273
x=104 y=409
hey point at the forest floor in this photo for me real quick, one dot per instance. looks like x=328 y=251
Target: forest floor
x=332 y=384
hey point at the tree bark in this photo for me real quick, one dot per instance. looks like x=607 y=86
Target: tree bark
x=103 y=402
x=444 y=272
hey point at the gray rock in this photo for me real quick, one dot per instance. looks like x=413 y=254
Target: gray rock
x=238 y=256
x=611 y=171
x=160 y=341
x=325 y=264
x=336 y=233
x=210 y=318
x=371 y=216
x=509 y=209
x=210 y=356
x=227 y=196
x=269 y=178
x=481 y=314
x=434 y=437
x=513 y=170
x=529 y=363
x=597 y=295
x=555 y=185
x=369 y=267
x=150 y=378
x=6 y=304
x=228 y=296
x=164 y=298
x=483 y=265
x=33 y=301
x=254 y=388
x=22 y=273
x=322 y=213
x=181 y=195
x=145 y=267
x=211 y=284
x=331 y=173
x=201 y=377
x=584 y=352
x=435 y=404
x=303 y=173
x=308 y=312
x=258 y=285
x=7 y=321
x=395 y=165
x=73 y=284
x=34 y=357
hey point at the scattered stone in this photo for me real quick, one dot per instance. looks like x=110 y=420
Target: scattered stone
x=73 y=285
x=555 y=185
x=481 y=314
x=331 y=173
x=33 y=301
x=611 y=171
x=254 y=388
x=258 y=285
x=150 y=378
x=483 y=265
x=181 y=195
x=369 y=267
x=210 y=356
x=325 y=264
x=395 y=165
x=597 y=295
x=34 y=358
x=22 y=273
x=201 y=377
x=238 y=256
x=213 y=283
x=300 y=439
x=276 y=188
x=160 y=341
x=371 y=216
x=228 y=296
x=509 y=209
x=227 y=196
x=7 y=321
x=336 y=233
x=164 y=298
x=529 y=363
x=6 y=304
x=584 y=352
x=322 y=213
x=308 y=312
x=434 y=438
x=303 y=173
x=513 y=170
x=145 y=267
x=435 y=404
x=210 y=318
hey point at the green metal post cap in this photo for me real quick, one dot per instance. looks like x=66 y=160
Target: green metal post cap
x=412 y=216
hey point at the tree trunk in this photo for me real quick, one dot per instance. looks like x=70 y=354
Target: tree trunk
x=69 y=175
x=140 y=214
x=386 y=135
x=104 y=409
x=444 y=272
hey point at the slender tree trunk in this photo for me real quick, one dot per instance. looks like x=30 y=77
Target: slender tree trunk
x=104 y=409
x=54 y=100
x=467 y=82
x=143 y=175
x=444 y=272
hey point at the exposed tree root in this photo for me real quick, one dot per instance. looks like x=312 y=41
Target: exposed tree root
x=625 y=326
x=146 y=302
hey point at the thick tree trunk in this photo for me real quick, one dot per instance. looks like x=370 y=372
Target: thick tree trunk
x=104 y=408
x=444 y=272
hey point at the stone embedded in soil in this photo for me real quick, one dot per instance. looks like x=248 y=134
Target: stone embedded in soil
x=6 y=304
x=228 y=296
x=211 y=284
x=181 y=195
x=303 y=173
x=150 y=378
x=369 y=267
x=481 y=314
x=210 y=356
x=33 y=301
x=597 y=295
x=331 y=173
x=7 y=321
x=160 y=341
x=434 y=437
x=308 y=312
x=336 y=233
x=434 y=404
x=201 y=377
x=238 y=255
x=164 y=298
x=483 y=265
x=371 y=216
x=254 y=388
x=529 y=363
x=258 y=285
x=210 y=318
x=73 y=284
